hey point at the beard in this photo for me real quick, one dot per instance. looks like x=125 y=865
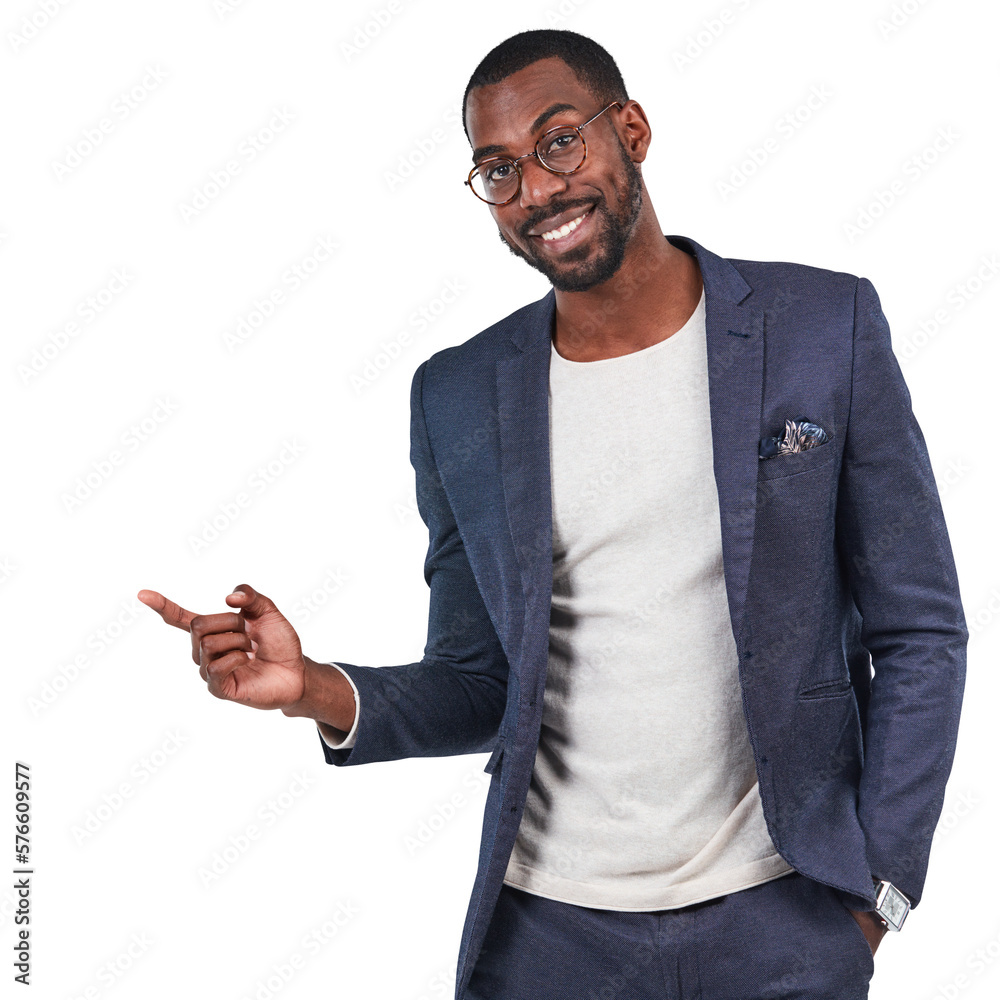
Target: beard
x=571 y=271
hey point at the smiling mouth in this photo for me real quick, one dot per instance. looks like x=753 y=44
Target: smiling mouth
x=561 y=232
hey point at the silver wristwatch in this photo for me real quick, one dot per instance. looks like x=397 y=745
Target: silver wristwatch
x=891 y=906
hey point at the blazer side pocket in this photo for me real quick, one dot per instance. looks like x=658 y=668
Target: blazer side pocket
x=826 y=689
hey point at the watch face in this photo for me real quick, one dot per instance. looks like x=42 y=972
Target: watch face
x=894 y=906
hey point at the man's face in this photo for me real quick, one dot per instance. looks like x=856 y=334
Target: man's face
x=505 y=119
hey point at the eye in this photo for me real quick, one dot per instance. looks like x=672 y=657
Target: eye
x=497 y=172
x=561 y=142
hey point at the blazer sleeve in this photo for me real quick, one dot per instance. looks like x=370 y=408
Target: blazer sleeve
x=894 y=547
x=452 y=700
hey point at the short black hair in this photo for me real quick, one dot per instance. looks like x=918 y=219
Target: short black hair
x=591 y=63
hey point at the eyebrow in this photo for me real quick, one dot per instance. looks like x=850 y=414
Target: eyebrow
x=494 y=150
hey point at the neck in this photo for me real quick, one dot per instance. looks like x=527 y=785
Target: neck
x=649 y=298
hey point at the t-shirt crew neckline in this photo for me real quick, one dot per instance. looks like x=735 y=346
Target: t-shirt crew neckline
x=644 y=352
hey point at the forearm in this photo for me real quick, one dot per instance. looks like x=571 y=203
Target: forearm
x=327 y=698
x=424 y=709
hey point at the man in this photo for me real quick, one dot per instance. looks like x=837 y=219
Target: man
x=679 y=508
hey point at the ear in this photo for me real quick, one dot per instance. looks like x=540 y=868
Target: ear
x=634 y=130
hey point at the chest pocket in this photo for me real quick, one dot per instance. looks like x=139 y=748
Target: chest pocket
x=783 y=466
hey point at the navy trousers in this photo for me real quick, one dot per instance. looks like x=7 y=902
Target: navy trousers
x=788 y=939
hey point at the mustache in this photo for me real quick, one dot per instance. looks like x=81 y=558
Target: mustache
x=554 y=210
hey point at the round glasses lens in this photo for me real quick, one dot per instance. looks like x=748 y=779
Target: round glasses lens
x=561 y=150
x=495 y=180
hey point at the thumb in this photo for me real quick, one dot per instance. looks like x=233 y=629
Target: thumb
x=252 y=603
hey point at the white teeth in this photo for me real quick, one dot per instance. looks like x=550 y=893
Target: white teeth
x=558 y=234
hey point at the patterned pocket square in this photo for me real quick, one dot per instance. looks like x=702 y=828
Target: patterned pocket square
x=800 y=435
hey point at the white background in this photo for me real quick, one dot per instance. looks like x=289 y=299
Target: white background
x=199 y=771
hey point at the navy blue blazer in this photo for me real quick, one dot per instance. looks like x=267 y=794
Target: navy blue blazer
x=837 y=565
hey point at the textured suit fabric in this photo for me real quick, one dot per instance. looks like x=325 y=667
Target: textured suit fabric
x=840 y=580
x=788 y=939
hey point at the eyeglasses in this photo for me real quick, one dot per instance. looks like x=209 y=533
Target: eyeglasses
x=560 y=150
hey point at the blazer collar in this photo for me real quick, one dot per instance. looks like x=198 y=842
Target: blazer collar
x=722 y=282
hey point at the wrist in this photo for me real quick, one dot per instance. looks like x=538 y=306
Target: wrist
x=327 y=696
x=891 y=905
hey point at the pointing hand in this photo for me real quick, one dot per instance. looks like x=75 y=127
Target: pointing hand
x=251 y=655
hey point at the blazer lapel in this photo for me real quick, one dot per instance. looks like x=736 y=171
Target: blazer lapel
x=523 y=408
x=735 y=345
x=735 y=342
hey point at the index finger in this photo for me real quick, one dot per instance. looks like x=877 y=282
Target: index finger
x=172 y=614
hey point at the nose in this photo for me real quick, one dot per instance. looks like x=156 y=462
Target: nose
x=539 y=185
